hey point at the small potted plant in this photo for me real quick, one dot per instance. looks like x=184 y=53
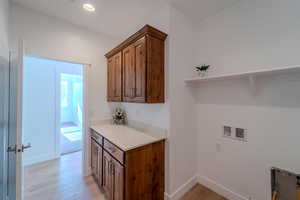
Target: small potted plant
x=202 y=70
x=119 y=116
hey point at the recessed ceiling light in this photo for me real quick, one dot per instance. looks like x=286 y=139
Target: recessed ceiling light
x=89 y=7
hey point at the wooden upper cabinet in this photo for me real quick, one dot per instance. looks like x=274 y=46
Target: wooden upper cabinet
x=141 y=69
x=155 y=70
x=114 y=78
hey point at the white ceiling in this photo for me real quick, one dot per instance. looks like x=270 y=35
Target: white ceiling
x=119 y=18
x=201 y=9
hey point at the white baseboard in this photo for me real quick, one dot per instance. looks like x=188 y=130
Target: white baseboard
x=182 y=190
x=205 y=181
x=220 y=189
x=38 y=159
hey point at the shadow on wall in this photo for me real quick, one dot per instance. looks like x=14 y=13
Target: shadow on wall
x=270 y=91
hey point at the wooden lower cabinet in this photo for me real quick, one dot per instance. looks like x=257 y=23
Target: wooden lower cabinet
x=107 y=175
x=138 y=176
x=113 y=178
x=144 y=172
x=118 y=180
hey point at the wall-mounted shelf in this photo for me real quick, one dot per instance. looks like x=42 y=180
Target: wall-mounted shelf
x=295 y=68
x=251 y=75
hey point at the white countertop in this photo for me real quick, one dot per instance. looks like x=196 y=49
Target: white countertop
x=126 y=138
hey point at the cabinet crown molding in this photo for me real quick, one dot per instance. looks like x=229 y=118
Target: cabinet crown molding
x=146 y=30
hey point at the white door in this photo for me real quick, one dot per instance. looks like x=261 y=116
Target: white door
x=15 y=146
x=4 y=91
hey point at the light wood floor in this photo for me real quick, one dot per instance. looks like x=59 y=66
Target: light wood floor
x=62 y=180
x=200 y=192
x=59 y=180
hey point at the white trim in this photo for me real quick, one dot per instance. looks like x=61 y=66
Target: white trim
x=183 y=189
x=220 y=189
x=205 y=181
x=19 y=112
x=57 y=114
x=85 y=126
x=59 y=59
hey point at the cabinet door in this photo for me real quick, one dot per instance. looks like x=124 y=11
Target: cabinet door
x=155 y=70
x=107 y=175
x=139 y=90
x=100 y=165
x=128 y=73
x=94 y=159
x=134 y=74
x=118 y=180
x=110 y=81
x=114 y=81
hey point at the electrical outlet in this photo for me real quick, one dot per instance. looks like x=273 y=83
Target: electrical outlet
x=234 y=133
x=227 y=131
x=240 y=134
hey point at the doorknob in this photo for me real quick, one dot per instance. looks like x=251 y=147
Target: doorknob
x=13 y=149
x=26 y=147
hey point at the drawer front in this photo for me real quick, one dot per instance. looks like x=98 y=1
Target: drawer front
x=96 y=136
x=114 y=151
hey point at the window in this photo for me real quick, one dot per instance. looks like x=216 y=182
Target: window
x=64 y=93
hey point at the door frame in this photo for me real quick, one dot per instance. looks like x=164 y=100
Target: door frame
x=86 y=169
x=4 y=119
x=85 y=130
x=14 y=171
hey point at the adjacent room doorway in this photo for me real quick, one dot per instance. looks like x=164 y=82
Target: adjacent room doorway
x=54 y=126
x=70 y=112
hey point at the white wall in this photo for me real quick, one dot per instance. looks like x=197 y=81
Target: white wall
x=182 y=142
x=154 y=114
x=40 y=98
x=250 y=35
